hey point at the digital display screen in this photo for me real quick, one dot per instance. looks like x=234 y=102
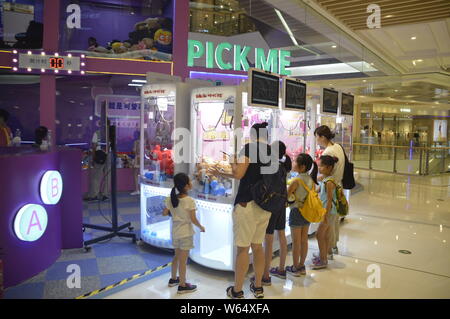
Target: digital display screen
x=295 y=94
x=330 y=101
x=265 y=89
x=56 y=63
x=347 y=103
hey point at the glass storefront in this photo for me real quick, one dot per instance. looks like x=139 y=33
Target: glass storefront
x=20 y=98
x=120 y=29
x=21 y=24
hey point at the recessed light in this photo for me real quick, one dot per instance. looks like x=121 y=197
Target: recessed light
x=420 y=60
x=389 y=16
x=395 y=90
x=364 y=80
x=334 y=46
x=413 y=38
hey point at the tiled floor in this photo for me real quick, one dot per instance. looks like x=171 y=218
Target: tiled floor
x=393 y=213
x=107 y=263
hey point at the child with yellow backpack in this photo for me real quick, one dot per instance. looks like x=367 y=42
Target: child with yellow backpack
x=306 y=208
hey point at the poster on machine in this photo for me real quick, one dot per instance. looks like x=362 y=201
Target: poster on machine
x=440 y=131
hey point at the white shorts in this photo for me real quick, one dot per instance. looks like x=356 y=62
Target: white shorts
x=185 y=243
x=249 y=224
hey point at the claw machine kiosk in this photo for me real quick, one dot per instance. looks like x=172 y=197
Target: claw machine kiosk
x=344 y=136
x=164 y=108
x=221 y=120
x=292 y=128
x=327 y=112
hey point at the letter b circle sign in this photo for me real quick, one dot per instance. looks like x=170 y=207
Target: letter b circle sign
x=51 y=187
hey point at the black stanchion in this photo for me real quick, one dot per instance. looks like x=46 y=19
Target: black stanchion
x=115 y=230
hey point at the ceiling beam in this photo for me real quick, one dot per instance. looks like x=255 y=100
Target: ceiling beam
x=443 y=11
x=360 y=26
x=397 y=5
x=394 y=11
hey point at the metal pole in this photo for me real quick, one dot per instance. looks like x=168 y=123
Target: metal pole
x=443 y=161
x=395 y=160
x=370 y=156
x=427 y=158
x=420 y=161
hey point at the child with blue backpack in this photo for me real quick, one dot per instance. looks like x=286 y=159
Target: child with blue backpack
x=328 y=198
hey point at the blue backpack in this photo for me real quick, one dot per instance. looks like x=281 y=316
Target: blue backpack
x=270 y=191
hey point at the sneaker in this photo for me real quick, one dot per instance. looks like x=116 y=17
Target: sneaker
x=293 y=271
x=174 y=282
x=319 y=265
x=275 y=272
x=234 y=295
x=187 y=288
x=257 y=292
x=264 y=281
x=316 y=256
x=302 y=270
x=135 y=193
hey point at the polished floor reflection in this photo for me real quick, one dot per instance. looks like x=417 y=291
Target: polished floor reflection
x=398 y=228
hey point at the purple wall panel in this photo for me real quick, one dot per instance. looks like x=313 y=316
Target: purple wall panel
x=23 y=172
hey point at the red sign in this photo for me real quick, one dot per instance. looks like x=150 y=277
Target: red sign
x=57 y=63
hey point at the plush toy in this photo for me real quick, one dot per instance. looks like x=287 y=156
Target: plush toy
x=118 y=47
x=148 y=43
x=163 y=41
x=167 y=164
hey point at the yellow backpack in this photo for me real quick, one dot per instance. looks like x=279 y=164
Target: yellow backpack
x=312 y=210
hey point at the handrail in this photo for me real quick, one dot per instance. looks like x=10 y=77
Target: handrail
x=405 y=147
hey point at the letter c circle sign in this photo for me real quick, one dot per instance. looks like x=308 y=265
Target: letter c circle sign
x=51 y=187
x=30 y=222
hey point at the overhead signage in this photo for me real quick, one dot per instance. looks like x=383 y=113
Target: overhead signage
x=347 y=104
x=294 y=94
x=40 y=62
x=51 y=187
x=264 y=89
x=330 y=101
x=274 y=61
x=30 y=222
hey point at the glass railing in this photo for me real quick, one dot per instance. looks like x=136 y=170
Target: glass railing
x=409 y=160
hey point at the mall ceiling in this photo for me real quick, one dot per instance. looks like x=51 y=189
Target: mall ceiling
x=353 y=13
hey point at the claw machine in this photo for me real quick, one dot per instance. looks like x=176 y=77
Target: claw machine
x=164 y=109
x=221 y=120
x=327 y=112
x=293 y=127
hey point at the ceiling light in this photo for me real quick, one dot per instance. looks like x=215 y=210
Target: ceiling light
x=413 y=38
x=420 y=60
x=139 y=81
x=389 y=16
x=395 y=90
x=334 y=46
x=364 y=80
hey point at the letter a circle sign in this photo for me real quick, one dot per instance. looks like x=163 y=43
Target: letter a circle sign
x=51 y=187
x=30 y=222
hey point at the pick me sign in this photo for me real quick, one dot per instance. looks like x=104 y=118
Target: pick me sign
x=274 y=61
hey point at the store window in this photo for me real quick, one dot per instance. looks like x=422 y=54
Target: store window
x=21 y=24
x=20 y=98
x=219 y=17
x=84 y=104
x=120 y=29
